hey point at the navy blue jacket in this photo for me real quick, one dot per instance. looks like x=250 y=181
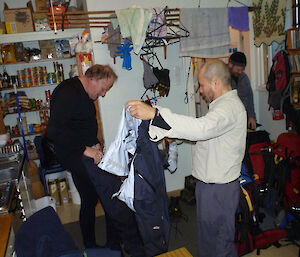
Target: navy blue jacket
x=150 y=196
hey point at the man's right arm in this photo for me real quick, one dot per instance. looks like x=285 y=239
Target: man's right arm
x=184 y=127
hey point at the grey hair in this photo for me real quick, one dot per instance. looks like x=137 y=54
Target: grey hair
x=99 y=71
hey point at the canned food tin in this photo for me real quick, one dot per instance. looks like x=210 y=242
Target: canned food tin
x=20 y=74
x=49 y=78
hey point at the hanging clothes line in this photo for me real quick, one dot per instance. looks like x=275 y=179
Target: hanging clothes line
x=98 y=19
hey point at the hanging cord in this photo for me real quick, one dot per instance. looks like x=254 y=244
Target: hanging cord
x=53 y=17
x=186 y=98
x=243 y=4
x=199 y=3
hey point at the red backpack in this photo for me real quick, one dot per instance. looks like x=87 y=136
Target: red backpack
x=257 y=143
x=278 y=80
x=287 y=148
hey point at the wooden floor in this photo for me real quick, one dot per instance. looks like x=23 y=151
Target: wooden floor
x=70 y=212
x=283 y=251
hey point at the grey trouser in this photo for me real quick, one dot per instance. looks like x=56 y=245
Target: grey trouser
x=216 y=207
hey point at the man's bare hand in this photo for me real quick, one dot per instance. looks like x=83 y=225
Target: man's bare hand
x=252 y=123
x=94 y=153
x=140 y=110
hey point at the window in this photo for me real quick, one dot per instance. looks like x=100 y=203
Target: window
x=296 y=13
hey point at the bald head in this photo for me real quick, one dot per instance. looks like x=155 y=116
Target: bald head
x=214 y=80
x=217 y=69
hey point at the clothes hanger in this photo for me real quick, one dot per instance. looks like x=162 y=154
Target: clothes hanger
x=148 y=51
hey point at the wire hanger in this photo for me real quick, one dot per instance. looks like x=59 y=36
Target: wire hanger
x=148 y=51
x=186 y=98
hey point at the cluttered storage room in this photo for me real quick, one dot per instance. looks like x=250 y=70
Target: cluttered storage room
x=182 y=115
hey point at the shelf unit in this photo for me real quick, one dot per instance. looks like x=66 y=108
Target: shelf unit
x=41 y=60
x=37 y=92
x=25 y=111
x=26 y=135
x=40 y=35
x=293 y=48
x=21 y=88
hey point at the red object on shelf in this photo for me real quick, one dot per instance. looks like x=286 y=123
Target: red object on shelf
x=57 y=12
x=277 y=115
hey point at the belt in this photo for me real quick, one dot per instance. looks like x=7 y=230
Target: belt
x=222 y=183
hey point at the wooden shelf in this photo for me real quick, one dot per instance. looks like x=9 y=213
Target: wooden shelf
x=42 y=60
x=5 y=224
x=26 y=135
x=293 y=50
x=21 y=88
x=40 y=35
x=36 y=110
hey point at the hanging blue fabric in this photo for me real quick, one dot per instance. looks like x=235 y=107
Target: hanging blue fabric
x=125 y=50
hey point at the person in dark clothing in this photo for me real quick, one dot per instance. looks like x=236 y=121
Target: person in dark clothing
x=240 y=81
x=73 y=130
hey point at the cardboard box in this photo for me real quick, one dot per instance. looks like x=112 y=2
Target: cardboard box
x=47 y=43
x=18 y=20
x=41 y=5
x=41 y=21
x=48 y=50
x=2 y=28
x=37 y=189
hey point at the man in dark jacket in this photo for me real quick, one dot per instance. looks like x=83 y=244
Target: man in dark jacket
x=73 y=129
x=241 y=82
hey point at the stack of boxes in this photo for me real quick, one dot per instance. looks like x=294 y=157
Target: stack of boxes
x=21 y=20
x=18 y=20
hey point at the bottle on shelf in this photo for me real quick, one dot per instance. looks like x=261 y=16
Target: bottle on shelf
x=5 y=79
x=61 y=70
x=48 y=95
x=1 y=86
x=43 y=121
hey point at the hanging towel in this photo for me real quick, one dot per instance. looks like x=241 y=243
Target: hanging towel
x=287 y=24
x=113 y=40
x=238 y=18
x=268 y=21
x=209 y=33
x=133 y=23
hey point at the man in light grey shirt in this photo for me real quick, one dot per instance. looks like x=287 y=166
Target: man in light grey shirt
x=240 y=82
x=220 y=138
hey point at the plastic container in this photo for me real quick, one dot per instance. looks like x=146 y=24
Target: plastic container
x=42 y=203
x=75 y=197
x=73 y=191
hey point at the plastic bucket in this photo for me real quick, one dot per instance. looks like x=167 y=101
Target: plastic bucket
x=75 y=197
x=43 y=202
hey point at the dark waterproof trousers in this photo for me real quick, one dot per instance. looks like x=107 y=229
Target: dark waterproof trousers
x=216 y=207
x=121 y=223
